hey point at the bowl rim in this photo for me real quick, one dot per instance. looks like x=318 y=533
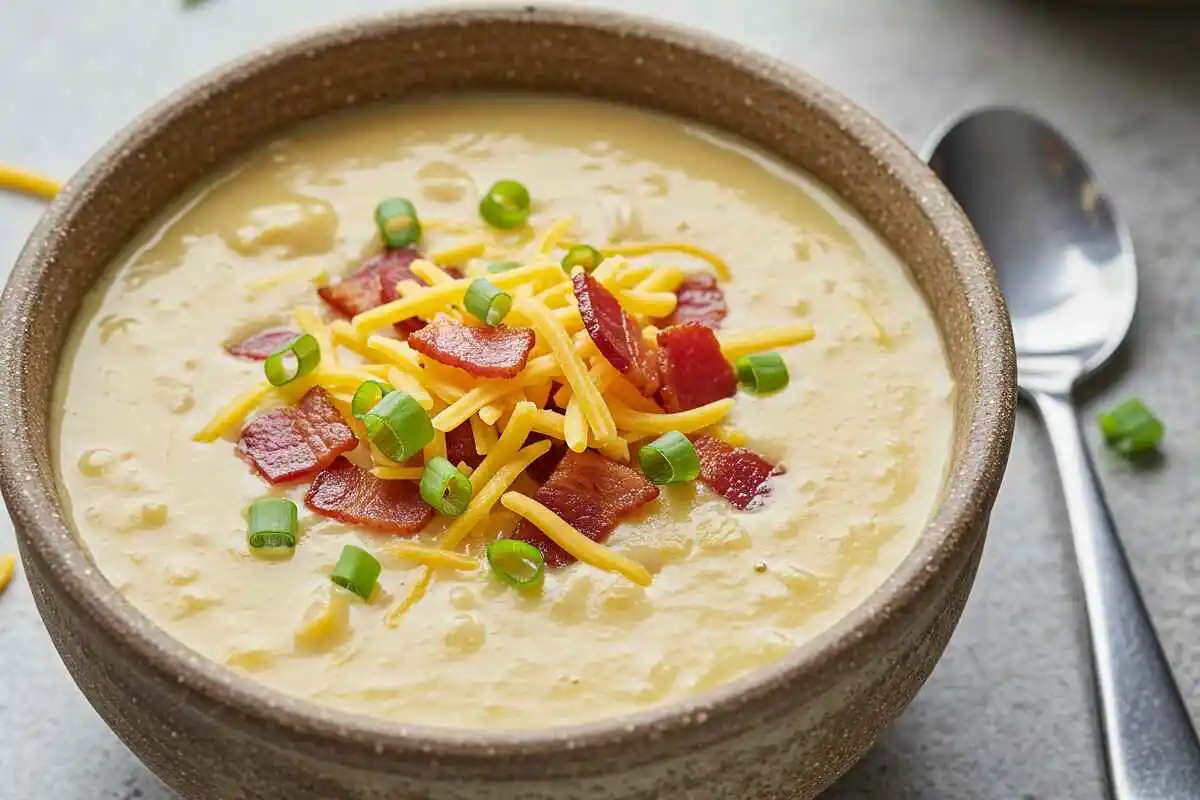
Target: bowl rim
x=39 y=514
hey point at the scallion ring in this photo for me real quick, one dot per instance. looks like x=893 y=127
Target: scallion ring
x=294 y=360
x=273 y=524
x=762 y=373
x=517 y=563
x=398 y=426
x=487 y=302
x=582 y=255
x=356 y=571
x=368 y=395
x=1131 y=428
x=445 y=488
x=506 y=205
x=671 y=458
x=502 y=266
x=398 y=222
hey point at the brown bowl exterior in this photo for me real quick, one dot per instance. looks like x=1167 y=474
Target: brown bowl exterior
x=786 y=731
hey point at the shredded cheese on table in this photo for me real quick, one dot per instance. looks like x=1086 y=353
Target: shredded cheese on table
x=8 y=566
x=19 y=180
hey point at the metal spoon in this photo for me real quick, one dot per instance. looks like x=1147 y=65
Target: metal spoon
x=1066 y=265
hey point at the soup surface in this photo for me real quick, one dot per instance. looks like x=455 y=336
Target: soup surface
x=862 y=428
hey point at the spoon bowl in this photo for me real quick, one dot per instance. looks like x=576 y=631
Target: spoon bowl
x=1064 y=259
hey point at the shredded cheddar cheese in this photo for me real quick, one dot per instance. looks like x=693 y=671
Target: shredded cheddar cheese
x=649 y=248
x=459 y=253
x=432 y=556
x=652 y=424
x=234 y=413
x=398 y=473
x=741 y=344
x=574 y=542
x=8 y=566
x=555 y=233
x=19 y=180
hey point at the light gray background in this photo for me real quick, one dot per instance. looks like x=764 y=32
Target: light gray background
x=1007 y=715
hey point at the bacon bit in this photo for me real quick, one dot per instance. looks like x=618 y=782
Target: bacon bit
x=541 y=469
x=460 y=446
x=694 y=372
x=616 y=333
x=737 y=474
x=294 y=442
x=375 y=284
x=349 y=494
x=259 y=346
x=698 y=299
x=590 y=492
x=499 y=352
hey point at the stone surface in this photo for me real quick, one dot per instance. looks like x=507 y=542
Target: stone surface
x=1008 y=713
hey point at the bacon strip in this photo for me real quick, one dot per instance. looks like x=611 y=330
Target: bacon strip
x=616 y=333
x=460 y=446
x=693 y=370
x=737 y=474
x=259 y=346
x=698 y=299
x=499 y=352
x=592 y=493
x=349 y=494
x=375 y=284
x=294 y=442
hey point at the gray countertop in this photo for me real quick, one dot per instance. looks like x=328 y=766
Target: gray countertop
x=1007 y=714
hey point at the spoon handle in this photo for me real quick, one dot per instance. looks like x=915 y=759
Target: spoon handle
x=1150 y=745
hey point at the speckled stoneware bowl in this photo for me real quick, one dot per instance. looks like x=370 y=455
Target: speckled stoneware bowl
x=784 y=732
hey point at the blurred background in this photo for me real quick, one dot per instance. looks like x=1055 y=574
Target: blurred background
x=1008 y=714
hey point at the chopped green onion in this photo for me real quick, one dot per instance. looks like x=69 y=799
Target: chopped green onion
x=486 y=301
x=398 y=426
x=670 y=458
x=582 y=255
x=273 y=523
x=506 y=204
x=517 y=563
x=762 y=373
x=294 y=360
x=502 y=266
x=356 y=571
x=445 y=488
x=368 y=395
x=1131 y=428
x=398 y=222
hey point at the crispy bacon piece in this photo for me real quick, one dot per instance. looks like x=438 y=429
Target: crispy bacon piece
x=297 y=441
x=347 y=493
x=499 y=352
x=698 y=299
x=590 y=492
x=616 y=333
x=460 y=446
x=735 y=473
x=375 y=284
x=693 y=370
x=262 y=344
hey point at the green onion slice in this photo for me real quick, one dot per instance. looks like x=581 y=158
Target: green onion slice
x=398 y=222
x=506 y=204
x=582 y=255
x=670 y=458
x=502 y=266
x=356 y=571
x=294 y=360
x=517 y=563
x=762 y=373
x=273 y=524
x=368 y=395
x=1131 y=428
x=398 y=426
x=445 y=488
x=486 y=301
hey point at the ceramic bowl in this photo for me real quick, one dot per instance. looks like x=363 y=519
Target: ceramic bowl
x=786 y=731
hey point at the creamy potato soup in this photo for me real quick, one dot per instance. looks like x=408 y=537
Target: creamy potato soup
x=502 y=412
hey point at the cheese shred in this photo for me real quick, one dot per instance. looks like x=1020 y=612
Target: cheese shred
x=8 y=567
